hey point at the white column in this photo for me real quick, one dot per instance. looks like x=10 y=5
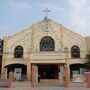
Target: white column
x=5 y=73
x=36 y=67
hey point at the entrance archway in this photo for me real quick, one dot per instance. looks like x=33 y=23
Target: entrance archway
x=47 y=71
x=77 y=69
x=18 y=69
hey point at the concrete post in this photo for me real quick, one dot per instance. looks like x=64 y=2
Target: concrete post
x=87 y=77
x=33 y=77
x=6 y=73
x=66 y=76
x=10 y=80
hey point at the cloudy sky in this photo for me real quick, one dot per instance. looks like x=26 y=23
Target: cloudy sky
x=16 y=15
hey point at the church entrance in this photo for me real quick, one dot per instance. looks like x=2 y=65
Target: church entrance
x=48 y=71
x=19 y=71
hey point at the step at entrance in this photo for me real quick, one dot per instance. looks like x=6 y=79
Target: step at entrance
x=49 y=82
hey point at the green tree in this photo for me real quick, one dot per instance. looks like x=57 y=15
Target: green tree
x=1 y=47
x=1 y=51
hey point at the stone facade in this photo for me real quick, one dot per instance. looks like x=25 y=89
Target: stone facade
x=88 y=43
x=30 y=39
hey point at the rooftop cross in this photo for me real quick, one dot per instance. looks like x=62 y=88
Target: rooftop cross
x=46 y=10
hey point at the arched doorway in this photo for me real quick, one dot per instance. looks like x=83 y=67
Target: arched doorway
x=77 y=69
x=47 y=44
x=19 y=70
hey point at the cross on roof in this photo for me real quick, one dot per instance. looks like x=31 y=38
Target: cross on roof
x=46 y=10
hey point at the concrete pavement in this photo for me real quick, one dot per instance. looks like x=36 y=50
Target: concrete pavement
x=42 y=86
x=45 y=88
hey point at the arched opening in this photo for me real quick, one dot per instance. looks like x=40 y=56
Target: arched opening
x=77 y=69
x=47 y=44
x=18 y=52
x=19 y=71
x=75 y=52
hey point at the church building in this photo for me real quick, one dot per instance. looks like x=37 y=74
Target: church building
x=47 y=45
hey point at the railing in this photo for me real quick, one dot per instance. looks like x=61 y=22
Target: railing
x=3 y=83
x=22 y=77
x=78 y=78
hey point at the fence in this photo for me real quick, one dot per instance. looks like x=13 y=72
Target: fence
x=9 y=82
x=22 y=77
x=3 y=83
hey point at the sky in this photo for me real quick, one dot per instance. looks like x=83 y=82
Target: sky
x=16 y=15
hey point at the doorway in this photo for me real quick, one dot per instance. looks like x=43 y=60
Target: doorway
x=48 y=71
x=19 y=70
